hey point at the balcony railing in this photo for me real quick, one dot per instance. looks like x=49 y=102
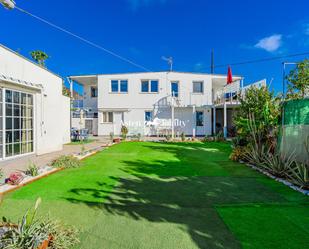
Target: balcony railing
x=227 y=94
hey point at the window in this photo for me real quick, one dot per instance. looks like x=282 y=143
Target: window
x=108 y=117
x=119 y=86
x=150 y=86
x=114 y=87
x=18 y=123
x=198 y=87
x=148 y=116
x=145 y=86
x=94 y=92
x=199 y=118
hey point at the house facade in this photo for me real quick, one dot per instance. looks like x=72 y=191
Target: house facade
x=34 y=115
x=157 y=103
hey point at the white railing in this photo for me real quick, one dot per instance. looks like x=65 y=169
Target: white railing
x=228 y=93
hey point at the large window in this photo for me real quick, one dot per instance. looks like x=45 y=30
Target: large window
x=108 y=117
x=18 y=123
x=199 y=118
x=119 y=86
x=150 y=86
x=198 y=87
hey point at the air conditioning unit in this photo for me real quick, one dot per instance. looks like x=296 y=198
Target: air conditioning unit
x=9 y=4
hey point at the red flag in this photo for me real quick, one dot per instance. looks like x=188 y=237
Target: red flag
x=229 y=76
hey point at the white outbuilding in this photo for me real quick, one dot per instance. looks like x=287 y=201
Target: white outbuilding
x=34 y=114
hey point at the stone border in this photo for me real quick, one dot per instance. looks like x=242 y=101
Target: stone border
x=285 y=182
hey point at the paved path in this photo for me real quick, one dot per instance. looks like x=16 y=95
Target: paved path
x=21 y=164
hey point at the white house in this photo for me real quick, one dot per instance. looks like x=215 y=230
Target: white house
x=34 y=115
x=200 y=104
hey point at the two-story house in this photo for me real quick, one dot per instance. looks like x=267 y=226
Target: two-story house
x=158 y=103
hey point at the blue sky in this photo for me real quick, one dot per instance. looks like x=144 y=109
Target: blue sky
x=146 y=30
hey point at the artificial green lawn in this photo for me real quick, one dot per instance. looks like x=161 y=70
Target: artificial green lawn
x=155 y=195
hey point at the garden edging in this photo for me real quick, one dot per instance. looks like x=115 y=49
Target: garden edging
x=285 y=182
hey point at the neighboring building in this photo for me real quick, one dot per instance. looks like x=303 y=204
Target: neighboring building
x=200 y=104
x=34 y=115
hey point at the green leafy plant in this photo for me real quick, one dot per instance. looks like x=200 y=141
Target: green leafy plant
x=39 y=56
x=261 y=107
x=299 y=175
x=277 y=165
x=183 y=137
x=66 y=161
x=238 y=153
x=298 y=80
x=33 y=232
x=32 y=170
x=124 y=132
x=139 y=136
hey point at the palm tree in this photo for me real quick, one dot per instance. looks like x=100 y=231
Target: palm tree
x=39 y=56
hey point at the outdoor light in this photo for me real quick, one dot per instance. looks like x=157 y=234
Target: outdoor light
x=9 y=4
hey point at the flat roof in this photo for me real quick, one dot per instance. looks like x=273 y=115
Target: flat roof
x=200 y=73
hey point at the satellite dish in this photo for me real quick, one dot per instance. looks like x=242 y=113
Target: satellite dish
x=8 y=4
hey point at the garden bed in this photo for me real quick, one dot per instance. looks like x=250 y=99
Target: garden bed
x=278 y=179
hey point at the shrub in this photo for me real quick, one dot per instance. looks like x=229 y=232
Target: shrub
x=32 y=233
x=183 y=137
x=238 y=153
x=32 y=170
x=124 y=132
x=15 y=178
x=1 y=173
x=168 y=137
x=66 y=162
x=139 y=136
x=299 y=175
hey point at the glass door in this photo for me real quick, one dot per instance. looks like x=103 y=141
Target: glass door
x=175 y=89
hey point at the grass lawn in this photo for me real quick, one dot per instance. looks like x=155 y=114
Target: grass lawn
x=184 y=195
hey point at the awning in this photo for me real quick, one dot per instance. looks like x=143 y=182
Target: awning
x=22 y=83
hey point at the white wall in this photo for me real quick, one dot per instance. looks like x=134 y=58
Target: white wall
x=90 y=102
x=52 y=110
x=135 y=99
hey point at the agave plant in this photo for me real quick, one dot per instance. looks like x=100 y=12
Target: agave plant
x=36 y=233
x=299 y=175
x=276 y=164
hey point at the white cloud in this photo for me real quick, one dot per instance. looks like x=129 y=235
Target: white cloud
x=136 y=4
x=270 y=43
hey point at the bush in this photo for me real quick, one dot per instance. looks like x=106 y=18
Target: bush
x=238 y=154
x=66 y=162
x=124 y=132
x=183 y=137
x=298 y=174
x=32 y=170
x=1 y=173
x=32 y=233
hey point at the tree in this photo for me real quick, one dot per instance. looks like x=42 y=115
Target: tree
x=299 y=81
x=40 y=57
x=261 y=106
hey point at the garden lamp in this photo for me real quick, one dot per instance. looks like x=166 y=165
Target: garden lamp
x=8 y=4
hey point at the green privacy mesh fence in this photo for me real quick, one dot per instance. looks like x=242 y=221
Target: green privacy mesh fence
x=296 y=112
x=295 y=131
